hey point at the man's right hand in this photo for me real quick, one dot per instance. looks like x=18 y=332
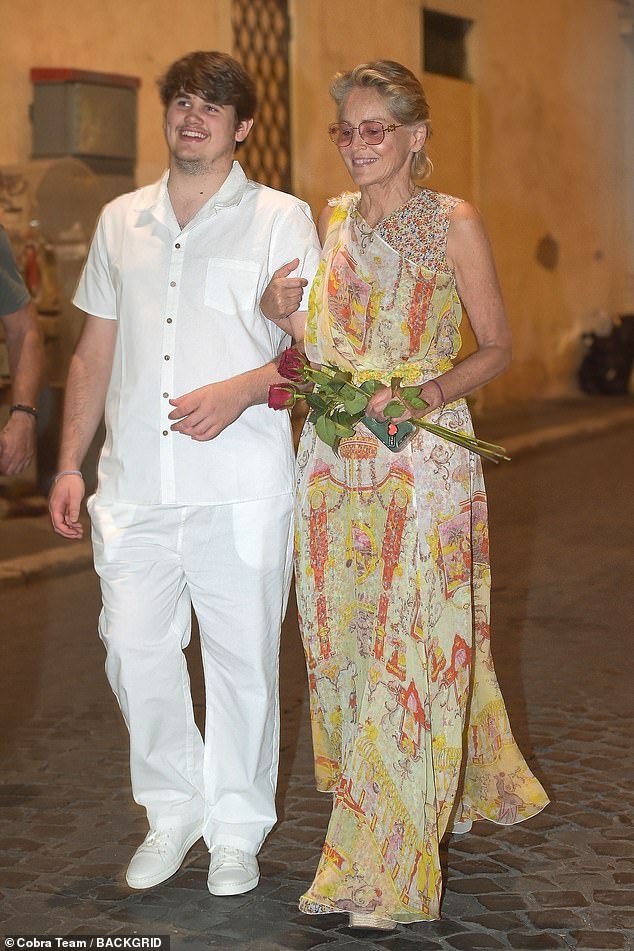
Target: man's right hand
x=64 y=505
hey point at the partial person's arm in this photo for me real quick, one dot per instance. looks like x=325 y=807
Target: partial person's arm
x=84 y=402
x=26 y=358
x=470 y=256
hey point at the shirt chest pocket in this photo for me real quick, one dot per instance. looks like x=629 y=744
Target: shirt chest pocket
x=231 y=286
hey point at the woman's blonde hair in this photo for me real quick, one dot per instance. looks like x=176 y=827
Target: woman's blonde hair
x=403 y=92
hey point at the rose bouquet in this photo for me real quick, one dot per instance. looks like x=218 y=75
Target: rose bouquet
x=337 y=404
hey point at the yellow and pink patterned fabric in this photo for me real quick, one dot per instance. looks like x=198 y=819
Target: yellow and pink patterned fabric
x=409 y=727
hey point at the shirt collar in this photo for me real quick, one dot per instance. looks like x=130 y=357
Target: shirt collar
x=155 y=198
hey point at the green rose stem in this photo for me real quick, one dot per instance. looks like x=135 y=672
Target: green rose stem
x=337 y=405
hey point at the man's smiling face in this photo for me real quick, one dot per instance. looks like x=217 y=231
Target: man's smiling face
x=201 y=134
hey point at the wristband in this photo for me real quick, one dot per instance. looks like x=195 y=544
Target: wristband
x=23 y=408
x=66 y=472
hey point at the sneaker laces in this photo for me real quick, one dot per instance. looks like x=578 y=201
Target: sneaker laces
x=227 y=853
x=156 y=841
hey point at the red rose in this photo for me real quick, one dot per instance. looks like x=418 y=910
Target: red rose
x=281 y=397
x=291 y=365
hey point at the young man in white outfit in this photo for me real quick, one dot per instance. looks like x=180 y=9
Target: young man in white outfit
x=194 y=497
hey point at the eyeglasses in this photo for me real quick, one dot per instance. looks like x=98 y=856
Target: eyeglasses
x=371 y=132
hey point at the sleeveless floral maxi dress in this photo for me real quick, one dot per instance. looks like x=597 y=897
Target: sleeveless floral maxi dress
x=410 y=731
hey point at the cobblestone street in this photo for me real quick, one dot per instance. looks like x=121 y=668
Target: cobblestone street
x=561 y=639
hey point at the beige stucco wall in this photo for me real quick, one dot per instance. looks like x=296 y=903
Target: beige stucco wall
x=330 y=36
x=542 y=140
x=539 y=141
x=552 y=124
x=139 y=39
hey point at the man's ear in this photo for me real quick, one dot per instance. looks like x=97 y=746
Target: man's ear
x=243 y=128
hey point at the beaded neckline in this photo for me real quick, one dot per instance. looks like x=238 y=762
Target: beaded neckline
x=418 y=230
x=395 y=211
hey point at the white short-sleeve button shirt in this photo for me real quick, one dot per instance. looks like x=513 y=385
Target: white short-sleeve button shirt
x=187 y=306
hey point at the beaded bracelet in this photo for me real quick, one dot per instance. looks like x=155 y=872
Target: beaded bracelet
x=23 y=408
x=66 y=472
x=442 y=395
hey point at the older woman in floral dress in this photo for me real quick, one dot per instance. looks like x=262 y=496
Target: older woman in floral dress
x=410 y=729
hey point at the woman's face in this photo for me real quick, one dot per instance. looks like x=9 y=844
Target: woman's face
x=388 y=162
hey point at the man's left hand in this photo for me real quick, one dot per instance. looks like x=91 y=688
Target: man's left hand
x=17 y=444
x=205 y=412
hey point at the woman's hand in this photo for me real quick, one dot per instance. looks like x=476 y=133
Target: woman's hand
x=377 y=403
x=283 y=294
x=429 y=392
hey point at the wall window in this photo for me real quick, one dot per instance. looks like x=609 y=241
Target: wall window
x=445 y=48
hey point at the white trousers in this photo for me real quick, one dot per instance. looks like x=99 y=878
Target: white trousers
x=233 y=564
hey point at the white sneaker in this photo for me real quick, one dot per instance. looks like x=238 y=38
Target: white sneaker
x=161 y=854
x=232 y=871
x=360 y=920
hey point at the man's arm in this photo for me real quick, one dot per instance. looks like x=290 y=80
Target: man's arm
x=84 y=402
x=26 y=358
x=205 y=412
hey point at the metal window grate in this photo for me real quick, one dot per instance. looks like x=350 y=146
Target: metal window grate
x=261 y=40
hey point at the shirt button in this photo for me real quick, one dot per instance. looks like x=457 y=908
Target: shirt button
x=166 y=357
x=165 y=395
x=169 y=320
x=177 y=245
x=172 y=283
x=165 y=432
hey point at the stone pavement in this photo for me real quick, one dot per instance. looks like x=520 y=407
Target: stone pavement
x=67 y=827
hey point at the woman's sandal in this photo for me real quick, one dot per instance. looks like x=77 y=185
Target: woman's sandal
x=461 y=827
x=359 y=920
